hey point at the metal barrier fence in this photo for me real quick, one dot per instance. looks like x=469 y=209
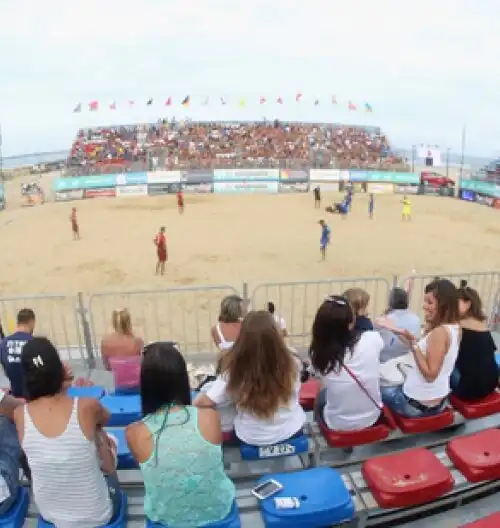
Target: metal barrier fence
x=58 y=317
x=487 y=285
x=184 y=315
x=297 y=302
x=77 y=325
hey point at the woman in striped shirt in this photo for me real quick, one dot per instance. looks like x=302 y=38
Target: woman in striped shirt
x=66 y=448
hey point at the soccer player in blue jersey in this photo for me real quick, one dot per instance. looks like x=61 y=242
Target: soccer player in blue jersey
x=325 y=238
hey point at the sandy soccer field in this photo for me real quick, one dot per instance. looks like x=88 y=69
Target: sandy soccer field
x=225 y=240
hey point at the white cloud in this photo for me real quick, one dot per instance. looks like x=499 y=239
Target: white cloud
x=425 y=66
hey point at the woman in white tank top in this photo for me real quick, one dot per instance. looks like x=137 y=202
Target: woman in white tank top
x=226 y=331
x=427 y=384
x=59 y=436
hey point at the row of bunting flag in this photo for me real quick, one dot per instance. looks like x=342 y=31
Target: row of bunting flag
x=94 y=106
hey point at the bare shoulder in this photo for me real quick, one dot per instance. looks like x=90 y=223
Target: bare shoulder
x=209 y=425
x=135 y=431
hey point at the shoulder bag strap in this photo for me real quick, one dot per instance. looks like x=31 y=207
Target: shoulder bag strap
x=360 y=385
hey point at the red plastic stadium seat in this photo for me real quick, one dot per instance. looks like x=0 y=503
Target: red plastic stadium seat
x=375 y=433
x=492 y=521
x=479 y=408
x=407 y=478
x=425 y=424
x=477 y=456
x=308 y=392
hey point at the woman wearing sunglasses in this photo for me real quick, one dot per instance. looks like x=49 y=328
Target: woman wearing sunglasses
x=349 y=365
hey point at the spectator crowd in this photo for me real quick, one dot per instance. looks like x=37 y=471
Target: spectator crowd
x=253 y=397
x=191 y=145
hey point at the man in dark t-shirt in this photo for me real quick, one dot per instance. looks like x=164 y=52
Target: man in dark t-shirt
x=11 y=348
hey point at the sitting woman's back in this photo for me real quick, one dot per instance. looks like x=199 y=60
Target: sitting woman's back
x=476 y=373
x=350 y=367
x=178 y=447
x=121 y=352
x=262 y=377
x=58 y=437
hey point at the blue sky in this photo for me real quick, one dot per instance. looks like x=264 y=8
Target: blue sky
x=426 y=67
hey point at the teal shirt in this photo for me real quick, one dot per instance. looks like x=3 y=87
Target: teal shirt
x=184 y=478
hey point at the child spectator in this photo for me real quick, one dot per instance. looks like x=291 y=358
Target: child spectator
x=359 y=300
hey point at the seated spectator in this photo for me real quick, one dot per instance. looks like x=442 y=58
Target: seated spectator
x=178 y=446
x=427 y=384
x=348 y=363
x=476 y=373
x=262 y=377
x=121 y=353
x=227 y=330
x=64 y=444
x=11 y=348
x=10 y=452
x=280 y=321
x=359 y=300
x=399 y=316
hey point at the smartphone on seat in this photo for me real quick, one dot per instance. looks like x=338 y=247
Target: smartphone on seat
x=267 y=489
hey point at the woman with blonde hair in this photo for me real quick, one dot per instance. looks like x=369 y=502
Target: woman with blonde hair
x=225 y=332
x=121 y=353
x=262 y=377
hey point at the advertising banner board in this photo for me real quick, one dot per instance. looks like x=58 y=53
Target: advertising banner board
x=380 y=188
x=131 y=190
x=328 y=175
x=109 y=192
x=159 y=189
x=468 y=196
x=239 y=175
x=483 y=199
x=406 y=189
x=197 y=176
x=324 y=186
x=132 y=178
x=163 y=176
x=245 y=187
x=68 y=196
x=293 y=187
x=291 y=175
x=197 y=188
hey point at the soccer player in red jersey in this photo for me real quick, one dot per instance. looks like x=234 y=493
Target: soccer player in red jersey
x=160 y=242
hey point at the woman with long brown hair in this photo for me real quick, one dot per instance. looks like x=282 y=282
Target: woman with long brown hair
x=476 y=374
x=427 y=385
x=262 y=377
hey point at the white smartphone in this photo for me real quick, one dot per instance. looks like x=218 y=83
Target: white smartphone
x=267 y=489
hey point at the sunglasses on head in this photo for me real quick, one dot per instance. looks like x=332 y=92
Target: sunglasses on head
x=340 y=301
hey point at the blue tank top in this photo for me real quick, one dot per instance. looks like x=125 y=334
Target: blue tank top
x=184 y=478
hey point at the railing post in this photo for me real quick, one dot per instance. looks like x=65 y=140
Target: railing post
x=244 y=294
x=87 y=336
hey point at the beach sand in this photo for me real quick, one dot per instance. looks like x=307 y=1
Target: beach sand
x=223 y=240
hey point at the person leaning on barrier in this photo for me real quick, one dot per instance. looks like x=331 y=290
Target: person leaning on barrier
x=227 y=330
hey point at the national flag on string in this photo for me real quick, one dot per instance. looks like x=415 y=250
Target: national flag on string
x=352 y=106
x=298 y=97
x=279 y=100
x=150 y=101
x=93 y=106
x=262 y=100
x=185 y=101
x=78 y=108
x=316 y=102
x=168 y=102
x=334 y=99
x=112 y=106
x=368 y=107
x=222 y=101
x=242 y=102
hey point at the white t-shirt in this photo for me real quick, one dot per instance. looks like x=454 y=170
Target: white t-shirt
x=348 y=408
x=257 y=431
x=280 y=321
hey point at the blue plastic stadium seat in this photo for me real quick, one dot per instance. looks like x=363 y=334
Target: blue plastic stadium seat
x=231 y=521
x=16 y=515
x=87 y=392
x=125 y=392
x=324 y=500
x=497 y=359
x=125 y=457
x=119 y=522
x=290 y=447
x=123 y=409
